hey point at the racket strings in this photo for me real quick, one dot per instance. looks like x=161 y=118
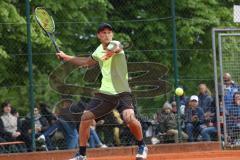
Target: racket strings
x=45 y=20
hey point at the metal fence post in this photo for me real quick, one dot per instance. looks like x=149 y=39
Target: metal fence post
x=30 y=75
x=175 y=65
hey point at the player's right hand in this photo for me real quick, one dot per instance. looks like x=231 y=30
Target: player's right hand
x=61 y=56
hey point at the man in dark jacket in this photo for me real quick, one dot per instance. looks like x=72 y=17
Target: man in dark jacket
x=230 y=87
x=194 y=119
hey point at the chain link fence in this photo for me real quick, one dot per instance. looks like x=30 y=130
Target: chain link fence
x=228 y=86
x=148 y=26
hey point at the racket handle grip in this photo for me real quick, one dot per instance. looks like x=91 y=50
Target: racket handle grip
x=58 y=50
x=55 y=45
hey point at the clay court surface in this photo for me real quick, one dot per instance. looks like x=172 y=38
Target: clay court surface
x=190 y=151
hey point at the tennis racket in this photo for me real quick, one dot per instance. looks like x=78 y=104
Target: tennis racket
x=47 y=24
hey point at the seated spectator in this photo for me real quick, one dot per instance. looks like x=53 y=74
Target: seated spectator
x=116 y=129
x=194 y=119
x=206 y=103
x=94 y=140
x=174 y=111
x=168 y=122
x=230 y=87
x=205 y=99
x=110 y=128
x=41 y=125
x=233 y=120
x=62 y=120
x=46 y=112
x=69 y=126
x=174 y=107
x=209 y=132
x=10 y=128
x=14 y=112
x=183 y=103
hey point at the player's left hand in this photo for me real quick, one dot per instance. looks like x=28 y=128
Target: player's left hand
x=107 y=55
x=113 y=48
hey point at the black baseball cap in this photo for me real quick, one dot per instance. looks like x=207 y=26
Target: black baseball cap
x=103 y=26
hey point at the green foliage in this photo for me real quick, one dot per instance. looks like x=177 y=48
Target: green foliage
x=147 y=24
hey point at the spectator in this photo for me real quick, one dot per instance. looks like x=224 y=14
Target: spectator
x=174 y=111
x=10 y=128
x=46 y=112
x=233 y=119
x=116 y=129
x=168 y=122
x=110 y=128
x=67 y=121
x=174 y=107
x=206 y=103
x=205 y=99
x=230 y=87
x=194 y=119
x=41 y=123
x=94 y=140
x=209 y=132
x=14 y=112
x=62 y=120
x=183 y=101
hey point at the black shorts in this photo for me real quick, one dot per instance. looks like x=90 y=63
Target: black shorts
x=102 y=104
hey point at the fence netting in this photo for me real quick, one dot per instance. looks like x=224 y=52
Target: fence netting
x=61 y=91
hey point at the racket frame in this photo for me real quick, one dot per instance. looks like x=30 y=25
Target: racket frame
x=49 y=34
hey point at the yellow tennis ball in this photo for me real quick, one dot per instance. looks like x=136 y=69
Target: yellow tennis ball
x=179 y=91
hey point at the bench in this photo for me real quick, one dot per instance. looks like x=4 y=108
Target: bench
x=11 y=147
x=11 y=143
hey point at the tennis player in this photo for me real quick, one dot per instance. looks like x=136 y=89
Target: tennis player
x=113 y=93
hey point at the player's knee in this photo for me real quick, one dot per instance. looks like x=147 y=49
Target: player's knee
x=128 y=118
x=87 y=116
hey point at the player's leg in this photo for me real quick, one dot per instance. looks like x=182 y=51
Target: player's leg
x=136 y=129
x=98 y=107
x=84 y=132
x=133 y=124
x=126 y=108
x=84 y=129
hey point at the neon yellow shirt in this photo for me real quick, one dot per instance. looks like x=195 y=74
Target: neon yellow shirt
x=114 y=72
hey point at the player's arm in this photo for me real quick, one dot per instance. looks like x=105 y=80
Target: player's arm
x=79 y=61
x=110 y=53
